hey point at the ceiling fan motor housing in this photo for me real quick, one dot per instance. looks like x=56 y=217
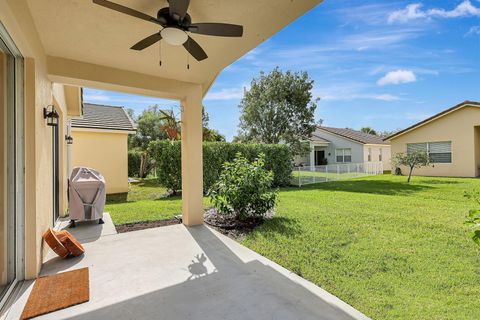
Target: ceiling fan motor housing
x=174 y=21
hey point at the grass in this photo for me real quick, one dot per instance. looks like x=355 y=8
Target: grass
x=146 y=201
x=390 y=249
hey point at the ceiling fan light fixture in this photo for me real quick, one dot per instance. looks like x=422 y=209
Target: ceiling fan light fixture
x=174 y=36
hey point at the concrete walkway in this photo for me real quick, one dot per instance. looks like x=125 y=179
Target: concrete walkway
x=177 y=272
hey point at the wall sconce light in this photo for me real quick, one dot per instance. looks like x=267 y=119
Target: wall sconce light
x=51 y=115
x=69 y=139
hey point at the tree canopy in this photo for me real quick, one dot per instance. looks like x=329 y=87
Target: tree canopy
x=279 y=107
x=369 y=130
x=416 y=159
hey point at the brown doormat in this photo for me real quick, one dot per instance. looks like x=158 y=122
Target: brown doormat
x=57 y=292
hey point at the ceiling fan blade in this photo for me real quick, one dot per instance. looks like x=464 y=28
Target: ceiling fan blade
x=126 y=10
x=217 y=29
x=147 y=42
x=195 y=50
x=178 y=8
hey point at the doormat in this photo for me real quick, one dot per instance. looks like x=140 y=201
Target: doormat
x=55 y=292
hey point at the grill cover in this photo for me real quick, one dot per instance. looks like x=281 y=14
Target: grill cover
x=87 y=194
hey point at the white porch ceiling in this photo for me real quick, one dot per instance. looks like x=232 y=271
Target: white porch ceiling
x=82 y=31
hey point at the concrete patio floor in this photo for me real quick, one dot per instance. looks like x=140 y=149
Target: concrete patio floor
x=177 y=272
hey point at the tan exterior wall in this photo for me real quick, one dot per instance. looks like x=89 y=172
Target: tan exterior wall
x=457 y=127
x=106 y=152
x=375 y=154
x=39 y=93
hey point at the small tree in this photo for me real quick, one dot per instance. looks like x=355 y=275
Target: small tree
x=411 y=160
x=279 y=107
x=244 y=189
x=473 y=217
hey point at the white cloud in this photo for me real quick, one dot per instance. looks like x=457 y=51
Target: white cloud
x=225 y=94
x=414 y=12
x=464 y=9
x=411 y=12
x=475 y=30
x=387 y=97
x=397 y=77
x=351 y=91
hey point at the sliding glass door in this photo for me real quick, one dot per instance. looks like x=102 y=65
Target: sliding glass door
x=11 y=168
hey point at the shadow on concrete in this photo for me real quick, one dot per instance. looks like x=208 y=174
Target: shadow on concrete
x=238 y=288
x=90 y=231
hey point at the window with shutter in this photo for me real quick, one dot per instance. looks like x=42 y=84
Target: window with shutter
x=439 y=152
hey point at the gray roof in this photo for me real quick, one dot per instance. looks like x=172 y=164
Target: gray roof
x=315 y=137
x=358 y=136
x=97 y=116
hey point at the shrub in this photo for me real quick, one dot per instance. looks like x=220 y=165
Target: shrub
x=167 y=155
x=244 y=189
x=278 y=159
x=133 y=163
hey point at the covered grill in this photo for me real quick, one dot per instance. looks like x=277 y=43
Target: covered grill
x=87 y=195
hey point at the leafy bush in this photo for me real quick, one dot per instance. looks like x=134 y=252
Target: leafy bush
x=278 y=159
x=167 y=155
x=140 y=164
x=244 y=189
x=133 y=163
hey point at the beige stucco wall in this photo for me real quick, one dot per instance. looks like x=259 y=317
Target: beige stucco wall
x=39 y=92
x=375 y=149
x=457 y=127
x=104 y=151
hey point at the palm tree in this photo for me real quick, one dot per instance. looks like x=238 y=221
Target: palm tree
x=369 y=130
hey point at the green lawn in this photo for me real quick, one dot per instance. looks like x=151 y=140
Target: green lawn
x=146 y=201
x=391 y=250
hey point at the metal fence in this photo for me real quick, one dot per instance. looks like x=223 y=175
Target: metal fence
x=332 y=172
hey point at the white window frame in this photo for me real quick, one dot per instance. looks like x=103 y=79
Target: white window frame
x=428 y=149
x=18 y=163
x=380 y=155
x=342 y=150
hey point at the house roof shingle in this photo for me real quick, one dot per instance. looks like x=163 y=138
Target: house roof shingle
x=104 y=117
x=438 y=115
x=358 y=136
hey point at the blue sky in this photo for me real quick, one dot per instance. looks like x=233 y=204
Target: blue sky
x=383 y=64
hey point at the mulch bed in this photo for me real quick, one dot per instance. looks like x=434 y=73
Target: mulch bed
x=121 y=228
x=223 y=223
x=229 y=226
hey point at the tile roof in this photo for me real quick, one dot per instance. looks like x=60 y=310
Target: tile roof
x=315 y=137
x=358 y=136
x=97 y=116
x=438 y=115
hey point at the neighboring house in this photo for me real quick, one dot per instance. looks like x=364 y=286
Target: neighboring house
x=451 y=138
x=100 y=141
x=341 y=146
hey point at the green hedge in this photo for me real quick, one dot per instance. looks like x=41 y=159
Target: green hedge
x=133 y=163
x=167 y=155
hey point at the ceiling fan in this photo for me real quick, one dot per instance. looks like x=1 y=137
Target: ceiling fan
x=175 y=23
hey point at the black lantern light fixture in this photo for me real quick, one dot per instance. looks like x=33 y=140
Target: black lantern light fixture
x=69 y=139
x=51 y=115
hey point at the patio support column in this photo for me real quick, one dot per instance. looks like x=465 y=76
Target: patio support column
x=192 y=159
